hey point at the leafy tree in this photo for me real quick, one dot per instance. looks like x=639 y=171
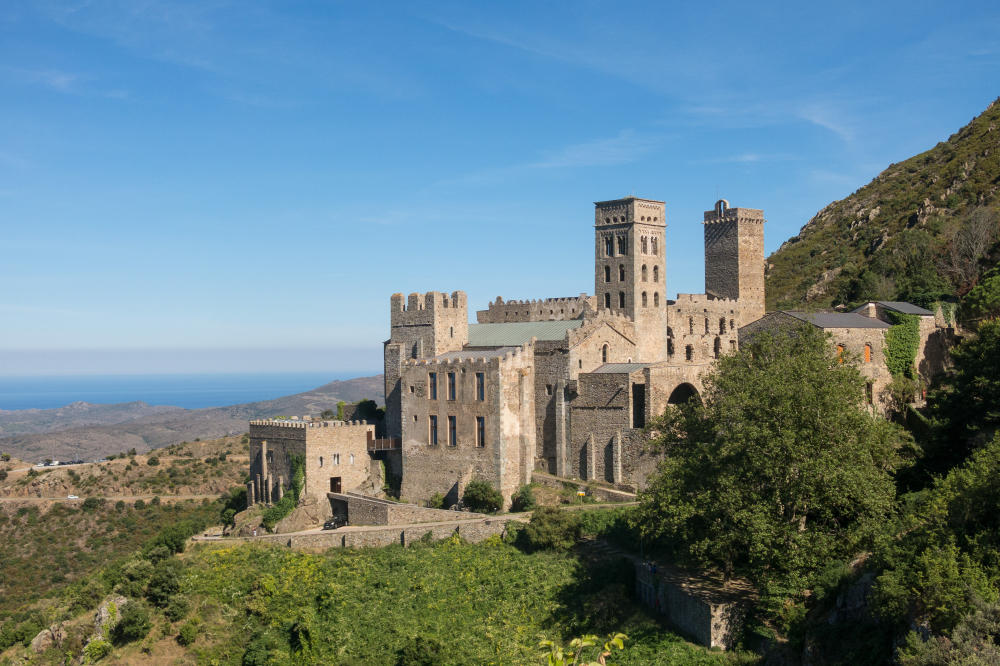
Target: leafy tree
x=523 y=499
x=983 y=302
x=420 y=651
x=482 y=497
x=164 y=583
x=153 y=461
x=550 y=528
x=5 y=457
x=134 y=624
x=755 y=480
x=3 y=475
x=92 y=504
x=976 y=640
x=187 y=634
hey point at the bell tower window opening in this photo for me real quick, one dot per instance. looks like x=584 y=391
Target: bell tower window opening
x=654 y=243
x=691 y=325
x=607 y=300
x=621 y=272
x=722 y=325
x=689 y=353
x=644 y=303
x=609 y=247
x=607 y=273
x=645 y=246
x=644 y=272
x=656 y=299
x=604 y=354
x=622 y=246
x=621 y=299
x=656 y=273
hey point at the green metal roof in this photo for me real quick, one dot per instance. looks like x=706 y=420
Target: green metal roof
x=518 y=333
x=620 y=368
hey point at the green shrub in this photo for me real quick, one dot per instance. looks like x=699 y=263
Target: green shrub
x=187 y=634
x=550 y=528
x=92 y=504
x=177 y=608
x=3 y=475
x=523 y=499
x=289 y=500
x=164 y=582
x=153 y=461
x=96 y=650
x=135 y=574
x=419 y=651
x=436 y=501
x=134 y=624
x=139 y=504
x=482 y=497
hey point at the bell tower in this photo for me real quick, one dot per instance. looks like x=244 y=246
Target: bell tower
x=630 y=268
x=734 y=257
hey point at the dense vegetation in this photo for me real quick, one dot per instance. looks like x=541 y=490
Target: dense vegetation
x=923 y=230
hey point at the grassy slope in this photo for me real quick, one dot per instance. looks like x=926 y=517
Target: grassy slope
x=923 y=201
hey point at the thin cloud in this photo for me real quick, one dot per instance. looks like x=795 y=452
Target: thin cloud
x=622 y=149
x=826 y=117
x=748 y=158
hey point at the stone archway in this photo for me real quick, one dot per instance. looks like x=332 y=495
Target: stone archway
x=684 y=393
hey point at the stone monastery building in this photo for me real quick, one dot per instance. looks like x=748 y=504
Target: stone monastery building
x=565 y=385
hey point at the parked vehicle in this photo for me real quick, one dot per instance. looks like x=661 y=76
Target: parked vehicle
x=337 y=521
x=72 y=497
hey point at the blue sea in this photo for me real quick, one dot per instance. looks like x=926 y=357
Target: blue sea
x=181 y=390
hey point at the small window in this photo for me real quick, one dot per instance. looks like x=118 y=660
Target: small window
x=604 y=354
x=433 y=430
x=706 y=325
x=654 y=244
x=644 y=303
x=336 y=458
x=656 y=299
x=411 y=388
x=607 y=301
x=452 y=432
x=451 y=385
x=868 y=355
x=621 y=272
x=607 y=273
x=415 y=418
x=722 y=325
x=670 y=346
x=732 y=324
x=732 y=345
x=689 y=353
x=609 y=247
x=644 y=272
x=321 y=461
x=622 y=246
x=621 y=299
x=480 y=386
x=548 y=389
x=645 y=247
x=580 y=363
x=691 y=325
x=480 y=431
x=656 y=273
x=451 y=331
x=718 y=347
x=352 y=458
x=432 y=380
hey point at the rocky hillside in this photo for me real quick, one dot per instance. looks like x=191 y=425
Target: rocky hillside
x=922 y=230
x=176 y=425
x=29 y=421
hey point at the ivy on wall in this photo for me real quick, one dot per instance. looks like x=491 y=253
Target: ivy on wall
x=901 y=343
x=289 y=500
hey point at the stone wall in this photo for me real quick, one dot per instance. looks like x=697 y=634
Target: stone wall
x=506 y=457
x=272 y=443
x=362 y=510
x=734 y=257
x=710 y=326
x=547 y=309
x=473 y=531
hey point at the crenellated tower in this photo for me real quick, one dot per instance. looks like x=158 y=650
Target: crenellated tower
x=630 y=268
x=734 y=257
x=422 y=326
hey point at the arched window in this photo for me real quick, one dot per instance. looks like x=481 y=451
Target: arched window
x=706 y=325
x=609 y=247
x=622 y=246
x=644 y=272
x=655 y=243
x=321 y=461
x=621 y=299
x=621 y=272
x=718 y=347
x=691 y=325
x=644 y=304
x=722 y=325
x=868 y=354
x=607 y=300
x=670 y=333
x=451 y=331
x=656 y=273
x=670 y=346
x=689 y=353
x=732 y=324
x=607 y=273
x=604 y=354
x=645 y=247
x=656 y=299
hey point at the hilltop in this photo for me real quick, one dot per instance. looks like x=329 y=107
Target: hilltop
x=923 y=230
x=67 y=437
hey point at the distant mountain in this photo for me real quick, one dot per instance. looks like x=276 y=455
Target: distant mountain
x=169 y=426
x=27 y=421
x=922 y=230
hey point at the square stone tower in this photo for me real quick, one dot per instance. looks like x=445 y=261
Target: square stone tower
x=734 y=257
x=630 y=268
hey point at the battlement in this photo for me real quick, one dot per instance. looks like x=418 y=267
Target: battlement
x=305 y=422
x=543 y=309
x=629 y=210
x=432 y=300
x=723 y=213
x=697 y=299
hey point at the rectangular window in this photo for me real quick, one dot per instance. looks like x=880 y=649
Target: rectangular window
x=432 y=382
x=480 y=431
x=336 y=458
x=451 y=385
x=434 y=431
x=452 y=432
x=548 y=389
x=480 y=386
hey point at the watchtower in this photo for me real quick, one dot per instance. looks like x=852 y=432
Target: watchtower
x=734 y=257
x=423 y=326
x=630 y=268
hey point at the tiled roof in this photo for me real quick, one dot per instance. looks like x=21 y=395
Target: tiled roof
x=477 y=353
x=620 y=368
x=838 y=319
x=900 y=306
x=518 y=333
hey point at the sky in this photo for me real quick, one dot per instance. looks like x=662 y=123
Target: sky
x=239 y=186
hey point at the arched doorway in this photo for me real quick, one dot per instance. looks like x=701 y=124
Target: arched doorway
x=684 y=393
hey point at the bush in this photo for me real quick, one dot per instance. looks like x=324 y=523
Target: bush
x=164 y=583
x=482 y=497
x=153 y=461
x=92 y=504
x=134 y=624
x=3 y=475
x=96 y=650
x=187 y=634
x=436 y=501
x=139 y=504
x=550 y=528
x=419 y=651
x=523 y=499
x=177 y=608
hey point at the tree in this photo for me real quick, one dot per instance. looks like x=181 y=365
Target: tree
x=779 y=469
x=5 y=457
x=983 y=301
x=482 y=497
x=523 y=499
x=133 y=625
x=550 y=528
